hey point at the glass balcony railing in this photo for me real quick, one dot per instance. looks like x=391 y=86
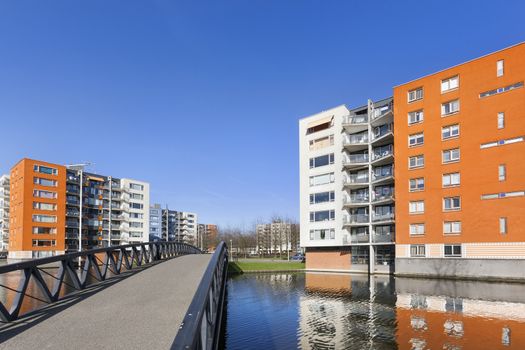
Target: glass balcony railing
x=355 y=119
x=355 y=159
x=355 y=179
x=355 y=198
x=381 y=111
x=356 y=219
x=385 y=237
x=383 y=216
x=381 y=131
x=359 y=139
x=359 y=238
x=382 y=175
x=382 y=195
x=383 y=152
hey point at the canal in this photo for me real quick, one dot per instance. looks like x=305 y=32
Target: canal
x=343 y=311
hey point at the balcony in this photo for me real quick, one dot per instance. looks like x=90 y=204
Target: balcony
x=384 y=195
x=383 y=132
x=72 y=213
x=354 y=119
x=381 y=112
x=72 y=201
x=355 y=159
x=72 y=178
x=354 y=219
x=355 y=140
x=383 y=217
x=385 y=237
x=384 y=153
x=354 y=179
x=359 y=238
x=71 y=223
x=355 y=199
x=383 y=175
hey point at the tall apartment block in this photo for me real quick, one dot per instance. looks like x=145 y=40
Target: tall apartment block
x=176 y=225
x=460 y=169
x=53 y=207
x=347 y=188
x=277 y=237
x=155 y=223
x=4 y=211
x=206 y=236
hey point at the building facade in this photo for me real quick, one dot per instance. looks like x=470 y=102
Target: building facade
x=206 y=237
x=347 y=188
x=460 y=170
x=277 y=237
x=177 y=226
x=155 y=223
x=4 y=211
x=55 y=207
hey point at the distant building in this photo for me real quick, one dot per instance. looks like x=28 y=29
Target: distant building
x=206 y=236
x=179 y=226
x=49 y=204
x=277 y=237
x=4 y=211
x=155 y=223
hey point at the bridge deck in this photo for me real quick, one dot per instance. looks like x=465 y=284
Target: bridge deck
x=142 y=311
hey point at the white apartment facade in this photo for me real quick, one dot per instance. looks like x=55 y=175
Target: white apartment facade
x=4 y=211
x=136 y=229
x=346 y=189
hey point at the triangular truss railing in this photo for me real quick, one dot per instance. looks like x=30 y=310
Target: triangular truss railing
x=79 y=267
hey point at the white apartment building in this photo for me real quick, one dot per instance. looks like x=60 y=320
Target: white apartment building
x=4 y=211
x=276 y=237
x=136 y=229
x=347 y=188
x=180 y=226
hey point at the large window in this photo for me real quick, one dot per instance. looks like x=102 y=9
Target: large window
x=322 y=197
x=322 y=160
x=322 y=179
x=44 y=206
x=451 y=203
x=45 y=170
x=44 y=242
x=44 y=182
x=360 y=255
x=452 y=179
x=322 y=234
x=417 y=250
x=323 y=215
x=136 y=205
x=416 y=94
x=416 y=161
x=137 y=187
x=450 y=107
x=451 y=227
x=416 y=207
x=449 y=131
x=450 y=83
x=38 y=230
x=451 y=155
x=417 y=229
x=502 y=172
x=44 y=218
x=136 y=196
x=321 y=142
x=44 y=194
x=416 y=139
x=415 y=117
x=501 y=120
x=452 y=250
x=503 y=225
x=417 y=184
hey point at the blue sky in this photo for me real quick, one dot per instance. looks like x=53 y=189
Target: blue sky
x=202 y=98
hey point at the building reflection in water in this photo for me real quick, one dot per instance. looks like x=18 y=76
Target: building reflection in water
x=341 y=311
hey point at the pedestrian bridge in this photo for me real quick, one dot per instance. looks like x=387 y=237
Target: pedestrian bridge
x=164 y=296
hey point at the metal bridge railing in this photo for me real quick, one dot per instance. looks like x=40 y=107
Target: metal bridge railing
x=76 y=268
x=201 y=327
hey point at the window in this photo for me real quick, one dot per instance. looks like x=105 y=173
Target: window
x=136 y=205
x=45 y=170
x=322 y=197
x=449 y=83
x=321 y=142
x=141 y=216
x=136 y=196
x=417 y=250
x=416 y=161
x=136 y=224
x=451 y=203
x=451 y=155
x=415 y=117
x=416 y=207
x=502 y=172
x=415 y=139
x=44 y=182
x=450 y=131
x=417 y=229
x=416 y=94
x=44 y=194
x=323 y=124
x=503 y=226
x=324 y=215
x=417 y=184
x=322 y=234
x=501 y=120
x=136 y=187
x=452 y=250
x=452 y=179
x=44 y=218
x=450 y=107
x=500 y=68
x=501 y=90
x=451 y=227
x=44 y=242
x=322 y=160
x=322 y=179
x=44 y=206
x=37 y=230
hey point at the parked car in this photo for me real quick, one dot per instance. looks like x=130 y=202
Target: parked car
x=298 y=257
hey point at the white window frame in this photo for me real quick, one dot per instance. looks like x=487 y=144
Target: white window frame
x=420 y=251
x=450 y=84
x=419 y=229
x=416 y=207
x=416 y=139
x=502 y=172
x=451 y=227
x=415 y=92
x=453 y=255
x=500 y=68
x=451 y=199
x=451 y=177
x=416 y=188
x=451 y=152
x=501 y=120
x=416 y=117
x=450 y=129
x=450 y=104
x=503 y=229
x=417 y=157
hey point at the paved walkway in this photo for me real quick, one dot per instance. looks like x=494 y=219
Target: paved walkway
x=142 y=311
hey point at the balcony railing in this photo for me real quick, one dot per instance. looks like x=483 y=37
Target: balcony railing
x=384 y=237
x=384 y=152
x=379 y=196
x=359 y=237
x=355 y=119
x=382 y=132
x=359 y=139
x=377 y=177
x=355 y=198
x=383 y=217
x=356 y=219
x=379 y=112
x=356 y=159
x=355 y=179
